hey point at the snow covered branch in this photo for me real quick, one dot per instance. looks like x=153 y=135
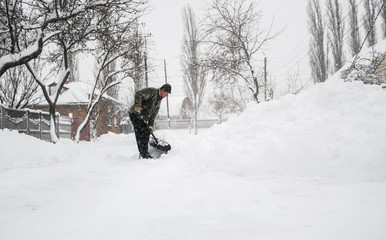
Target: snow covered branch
x=20 y=58
x=42 y=17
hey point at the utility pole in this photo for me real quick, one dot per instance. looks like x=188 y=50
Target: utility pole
x=167 y=98
x=145 y=36
x=265 y=79
x=145 y=58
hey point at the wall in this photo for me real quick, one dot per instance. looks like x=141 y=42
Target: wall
x=106 y=123
x=382 y=67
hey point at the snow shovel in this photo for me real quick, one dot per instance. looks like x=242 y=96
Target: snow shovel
x=159 y=144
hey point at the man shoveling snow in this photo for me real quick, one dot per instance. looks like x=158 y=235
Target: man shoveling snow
x=147 y=103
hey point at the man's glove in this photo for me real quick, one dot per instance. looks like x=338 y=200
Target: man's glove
x=137 y=108
x=151 y=129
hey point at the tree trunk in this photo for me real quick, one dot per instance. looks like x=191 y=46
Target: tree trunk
x=52 y=111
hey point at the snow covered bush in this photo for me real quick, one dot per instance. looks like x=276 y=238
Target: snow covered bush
x=369 y=69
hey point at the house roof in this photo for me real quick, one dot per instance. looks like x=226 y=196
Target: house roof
x=77 y=93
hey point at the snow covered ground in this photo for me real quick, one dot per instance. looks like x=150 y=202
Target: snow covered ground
x=311 y=166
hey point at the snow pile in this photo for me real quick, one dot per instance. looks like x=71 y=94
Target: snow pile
x=334 y=129
x=311 y=166
x=23 y=151
x=20 y=150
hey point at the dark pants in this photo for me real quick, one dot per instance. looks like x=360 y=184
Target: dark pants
x=142 y=134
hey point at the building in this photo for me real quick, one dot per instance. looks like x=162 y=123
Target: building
x=381 y=68
x=73 y=102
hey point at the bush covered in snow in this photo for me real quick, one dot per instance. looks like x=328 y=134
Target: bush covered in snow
x=369 y=68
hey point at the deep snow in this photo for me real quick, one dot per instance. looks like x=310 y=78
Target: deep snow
x=311 y=166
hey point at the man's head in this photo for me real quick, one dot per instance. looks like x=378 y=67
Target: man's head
x=165 y=90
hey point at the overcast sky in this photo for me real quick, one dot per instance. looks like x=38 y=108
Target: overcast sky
x=164 y=23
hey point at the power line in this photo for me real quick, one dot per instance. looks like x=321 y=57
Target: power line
x=345 y=33
x=290 y=60
x=368 y=33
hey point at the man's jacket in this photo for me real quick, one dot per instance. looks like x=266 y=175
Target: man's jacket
x=150 y=101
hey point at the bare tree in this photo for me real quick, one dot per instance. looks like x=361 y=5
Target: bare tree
x=221 y=104
x=70 y=39
x=105 y=41
x=116 y=56
x=236 y=38
x=317 y=51
x=51 y=101
x=194 y=70
x=31 y=25
x=371 y=24
x=226 y=99
x=138 y=58
x=17 y=88
x=354 y=41
x=73 y=64
x=336 y=32
x=27 y=25
x=136 y=44
x=295 y=84
x=369 y=20
x=383 y=13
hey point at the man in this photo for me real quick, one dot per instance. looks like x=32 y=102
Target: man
x=142 y=114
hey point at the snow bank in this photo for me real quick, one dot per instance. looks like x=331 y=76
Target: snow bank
x=332 y=130
x=335 y=130
x=23 y=151
x=20 y=150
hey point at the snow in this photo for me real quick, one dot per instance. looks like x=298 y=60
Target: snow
x=311 y=166
x=77 y=93
x=30 y=50
x=305 y=135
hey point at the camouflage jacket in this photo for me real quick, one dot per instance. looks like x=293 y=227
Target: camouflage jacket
x=150 y=101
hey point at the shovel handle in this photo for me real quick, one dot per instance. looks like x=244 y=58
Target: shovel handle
x=156 y=140
x=142 y=118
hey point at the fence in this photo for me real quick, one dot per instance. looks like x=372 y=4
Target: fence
x=184 y=124
x=65 y=129
x=34 y=123
x=37 y=123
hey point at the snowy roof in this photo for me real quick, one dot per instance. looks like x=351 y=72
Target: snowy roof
x=77 y=93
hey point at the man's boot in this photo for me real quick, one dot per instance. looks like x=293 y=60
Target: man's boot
x=145 y=155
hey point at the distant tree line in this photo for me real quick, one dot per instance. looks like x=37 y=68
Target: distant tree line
x=328 y=32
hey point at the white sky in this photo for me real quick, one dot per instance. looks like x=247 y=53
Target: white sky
x=165 y=25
